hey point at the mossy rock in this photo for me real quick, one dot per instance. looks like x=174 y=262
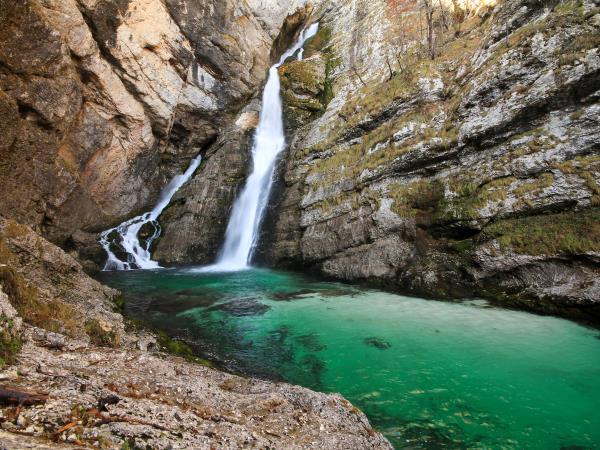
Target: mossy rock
x=52 y=315
x=319 y=42
x=303 y=88
x=101 y=335
x=10 y=342
x=570 y=233
x=305 y=76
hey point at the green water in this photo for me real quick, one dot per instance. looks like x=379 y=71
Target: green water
x=428 y=374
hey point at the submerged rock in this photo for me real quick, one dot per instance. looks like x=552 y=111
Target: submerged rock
x=183 y=302
x=242 y=307
x=311 y=342
x=378 y=343
x=293 y=295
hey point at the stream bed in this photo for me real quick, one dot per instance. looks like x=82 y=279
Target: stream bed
x=428 y=374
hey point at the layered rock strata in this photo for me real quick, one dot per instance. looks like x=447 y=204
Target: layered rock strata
x=473 y=173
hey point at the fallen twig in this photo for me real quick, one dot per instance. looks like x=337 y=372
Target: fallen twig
x=17 y=397
x=66 y=427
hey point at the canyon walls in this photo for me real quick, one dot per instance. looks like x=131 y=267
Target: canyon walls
x=445 y=157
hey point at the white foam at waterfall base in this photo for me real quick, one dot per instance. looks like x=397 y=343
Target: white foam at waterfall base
x=248 y=210
x=127 y=233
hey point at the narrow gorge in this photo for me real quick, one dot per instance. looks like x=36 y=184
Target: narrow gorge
x=299 y=224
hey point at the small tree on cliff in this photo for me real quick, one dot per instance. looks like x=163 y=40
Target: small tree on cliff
x=412 y=19
x=429 y=10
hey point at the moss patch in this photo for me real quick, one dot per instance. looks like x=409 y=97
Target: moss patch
x=10 y=345
x=179 y=348
x=52 y=315
x=544 y=181
x=100 y=335
x=552 y=234
x=418 y=199
x=167 y=344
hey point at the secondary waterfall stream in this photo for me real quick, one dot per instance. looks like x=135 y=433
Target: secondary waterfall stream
x=127 y=234
x=243 y=228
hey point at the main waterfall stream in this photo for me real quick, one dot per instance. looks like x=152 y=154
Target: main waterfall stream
x=244 y=225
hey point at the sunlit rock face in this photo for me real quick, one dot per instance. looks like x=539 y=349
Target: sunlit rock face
x=102 y=102
x=273 y=13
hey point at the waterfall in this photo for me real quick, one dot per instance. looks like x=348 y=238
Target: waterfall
x=244 y=224
x=138 y=255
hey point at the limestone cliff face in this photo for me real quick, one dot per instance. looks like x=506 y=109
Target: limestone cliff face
x=473 y=173
x=103 y=101
x=461 y=161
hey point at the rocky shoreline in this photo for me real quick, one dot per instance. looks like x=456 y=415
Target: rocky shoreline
x=85 y=379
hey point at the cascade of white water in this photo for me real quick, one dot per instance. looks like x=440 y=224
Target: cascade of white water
x=244 y=224
x=138 y=255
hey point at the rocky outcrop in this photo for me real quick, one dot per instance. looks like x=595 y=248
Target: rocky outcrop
x=98 y=382
x=475 y=173
x=303 y=90
x=50 y=289
x=103 y=101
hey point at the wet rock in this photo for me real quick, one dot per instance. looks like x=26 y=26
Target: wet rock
x=337 y=292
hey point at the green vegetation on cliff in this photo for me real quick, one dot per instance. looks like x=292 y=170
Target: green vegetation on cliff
x=10 y=345
x=573 y=232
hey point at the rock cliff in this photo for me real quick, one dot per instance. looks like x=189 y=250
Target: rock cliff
x=103 y=101
x=466 y=167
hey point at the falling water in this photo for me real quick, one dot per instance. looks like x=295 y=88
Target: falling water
x=244 y=225
x=138 y=254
